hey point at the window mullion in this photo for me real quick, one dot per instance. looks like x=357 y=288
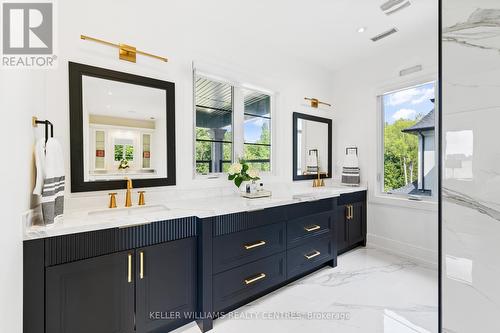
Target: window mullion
x=238 y=122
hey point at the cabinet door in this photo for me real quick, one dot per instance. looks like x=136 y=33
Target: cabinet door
x=93 y=295
x=356 y=224
x=165 y=285
x=340 y=228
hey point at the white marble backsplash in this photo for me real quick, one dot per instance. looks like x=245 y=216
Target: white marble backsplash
x=471 y=170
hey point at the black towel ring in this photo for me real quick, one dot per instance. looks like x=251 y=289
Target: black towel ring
x=46 y=123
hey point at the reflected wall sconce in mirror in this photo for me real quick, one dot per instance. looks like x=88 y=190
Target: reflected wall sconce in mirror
x=126 y=52
x=316 y=102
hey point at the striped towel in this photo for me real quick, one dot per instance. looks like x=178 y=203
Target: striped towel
x=350 y=176
x=50 y=179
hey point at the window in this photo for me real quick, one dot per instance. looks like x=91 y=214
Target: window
x=409 y=141
x=214 y=124
x=124 y=150
x=217 y=115
x=257 y=130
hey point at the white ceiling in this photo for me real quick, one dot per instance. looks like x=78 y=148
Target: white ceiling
x=123 y=100
x=321 y=32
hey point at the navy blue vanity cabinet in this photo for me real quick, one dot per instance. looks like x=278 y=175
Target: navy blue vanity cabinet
x=165 y=285
x=136 y=279
x=310 y=255
x=351 y=221
x=92 y=295
x=240 y=257
x=242 y=247
x=242 y=283
x=310 y=236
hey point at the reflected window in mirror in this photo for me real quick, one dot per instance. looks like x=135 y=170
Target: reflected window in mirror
x=257 y=129
x=214 y=126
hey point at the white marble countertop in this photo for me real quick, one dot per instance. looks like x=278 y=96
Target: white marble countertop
x=160 y=210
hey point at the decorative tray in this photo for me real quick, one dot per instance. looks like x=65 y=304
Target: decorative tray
x=259 y=194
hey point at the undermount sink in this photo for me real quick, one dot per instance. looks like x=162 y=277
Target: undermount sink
x=129 y=211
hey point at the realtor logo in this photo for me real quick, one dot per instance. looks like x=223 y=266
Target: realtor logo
x=27 y=32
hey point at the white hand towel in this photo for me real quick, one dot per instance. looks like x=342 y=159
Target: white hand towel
x=40 y=166
x=351 y=160
x=50 y=171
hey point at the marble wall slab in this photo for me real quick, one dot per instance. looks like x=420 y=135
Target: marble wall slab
x=471 y=165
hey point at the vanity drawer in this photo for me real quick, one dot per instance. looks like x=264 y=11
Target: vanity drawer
x=239 y=284
x=350 y=198
x=242 y=247
x=230 y=223
x=310 y=207
x=309 y=255
x=303 y=229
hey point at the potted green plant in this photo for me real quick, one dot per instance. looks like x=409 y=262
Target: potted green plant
x=240 y=172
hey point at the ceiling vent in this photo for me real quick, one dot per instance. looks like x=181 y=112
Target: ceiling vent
x=393 y=6
x=384 y=34
x=411 y=70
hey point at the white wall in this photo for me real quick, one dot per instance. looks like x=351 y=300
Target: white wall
x=407 y=227
x=168 y=30
x=21 y=95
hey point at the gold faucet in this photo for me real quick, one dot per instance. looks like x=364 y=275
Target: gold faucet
x=318 y=182
x=128 y=196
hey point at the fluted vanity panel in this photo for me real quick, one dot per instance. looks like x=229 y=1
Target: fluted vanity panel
x=72 y=247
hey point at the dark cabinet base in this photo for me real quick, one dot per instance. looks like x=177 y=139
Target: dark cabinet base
x=350 y=221
x=113 y=280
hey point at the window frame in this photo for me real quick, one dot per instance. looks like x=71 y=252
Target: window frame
x=380 y=170
x=238 y=119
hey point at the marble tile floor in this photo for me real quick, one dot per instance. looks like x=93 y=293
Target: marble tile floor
x=370 y=291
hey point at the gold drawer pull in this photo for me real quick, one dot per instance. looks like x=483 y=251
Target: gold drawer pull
x=312 y=255
x=255 y=279
x=129 y=271
x=312 y=228
x=254 y=245
x=141 y=270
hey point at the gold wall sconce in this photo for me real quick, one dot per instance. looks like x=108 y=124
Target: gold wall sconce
x=316 y=102
x=126 y=52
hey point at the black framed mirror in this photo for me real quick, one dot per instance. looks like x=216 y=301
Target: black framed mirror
x=312 y=147
x=122 y=125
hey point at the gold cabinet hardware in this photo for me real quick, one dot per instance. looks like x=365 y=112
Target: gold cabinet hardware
x=142 y=201
x=312 y=255
x=254 y=245
x=352 y=212
x=125 y=52
x=316 y=102
x=129 y=273
x=112 y=200
x=348 y=212
x=141 y=265
x=255 y=278
x=312 y=228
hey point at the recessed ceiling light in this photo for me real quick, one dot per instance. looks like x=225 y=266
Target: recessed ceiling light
x=362 y=29
x=110 y=93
